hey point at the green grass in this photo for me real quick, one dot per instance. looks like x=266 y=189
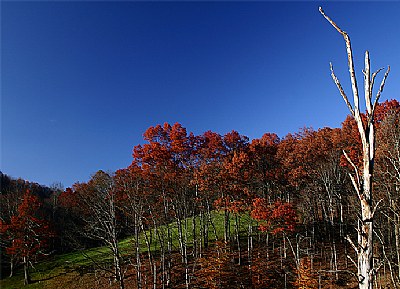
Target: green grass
x=58 y=266
x=55 y=266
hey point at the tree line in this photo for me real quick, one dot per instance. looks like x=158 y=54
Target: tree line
x=284 y=207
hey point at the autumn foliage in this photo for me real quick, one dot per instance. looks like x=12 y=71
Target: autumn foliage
x=216 y=211
x=307 y=277
x=279 y=217
x=28 y=232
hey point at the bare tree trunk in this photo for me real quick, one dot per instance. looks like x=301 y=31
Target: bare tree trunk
x=386 y=259
x=250 y=242
x=118 y=271
x=154 y=276
x=194 y=234
x=397 y=233
x=334 y=266
x=11 y=267
x=187 y=277
x=210 y=221
x=341 y=216
x=201 y=234
x=362 y=182
x=226 y=225
x=148 y=244
x=237 y=220
x=27 y=277
x=137 y=251
x=164 y=271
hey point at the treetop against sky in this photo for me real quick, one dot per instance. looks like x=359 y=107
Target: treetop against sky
x=82 y=81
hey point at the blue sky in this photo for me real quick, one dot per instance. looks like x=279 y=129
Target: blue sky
x=82 y=81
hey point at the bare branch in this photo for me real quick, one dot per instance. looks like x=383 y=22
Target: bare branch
x=331 y=21
x=367 y=83
x=363 y=72
x=340 y=88
x=349 y=59
x=340 y=271
x=378 y=95
x=377 y=267
x=351 y=162
x=371 y=86
x=373 y=79
x=352 y=261
x=356 y=185
x=376 y=206
x=352 y=245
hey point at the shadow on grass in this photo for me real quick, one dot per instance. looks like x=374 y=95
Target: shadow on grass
x=81 y=270
x=33 y=281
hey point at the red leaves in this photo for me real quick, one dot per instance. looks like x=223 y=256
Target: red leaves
x=351 y=138
x=351 y=143
x=211 y=146
x=265 y=166
x=234 y=141
x=27 y=231
x=283 y=218
x=305 y=154
x=67 y=198
x=276 y=218
x=384 y=108
x=261 y=210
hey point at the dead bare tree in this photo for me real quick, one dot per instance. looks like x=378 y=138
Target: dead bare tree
x=99 y=214
x=362 y=180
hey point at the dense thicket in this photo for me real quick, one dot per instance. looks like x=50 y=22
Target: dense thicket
x=287 y=206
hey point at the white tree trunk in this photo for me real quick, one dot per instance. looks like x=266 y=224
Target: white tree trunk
x=362 y=182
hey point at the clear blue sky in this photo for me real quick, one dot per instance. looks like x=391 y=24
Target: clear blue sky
x=82 y=81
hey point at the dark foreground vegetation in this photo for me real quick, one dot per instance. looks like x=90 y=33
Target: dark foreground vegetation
x=210 y=211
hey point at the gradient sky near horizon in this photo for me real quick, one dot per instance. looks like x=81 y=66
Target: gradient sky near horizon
x=81 y=81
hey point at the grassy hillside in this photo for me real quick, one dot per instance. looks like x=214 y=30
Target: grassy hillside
x=264 y=266
x=77 y=269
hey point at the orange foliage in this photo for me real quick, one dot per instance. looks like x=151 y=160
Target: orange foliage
x=279 y=217
x=306 y=279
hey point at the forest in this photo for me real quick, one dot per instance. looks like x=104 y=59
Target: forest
x=213 y=211
x=314 y=209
